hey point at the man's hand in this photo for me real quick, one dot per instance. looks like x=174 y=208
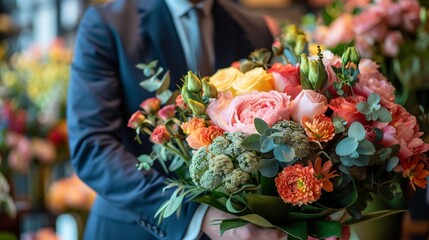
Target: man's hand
x=249 y=231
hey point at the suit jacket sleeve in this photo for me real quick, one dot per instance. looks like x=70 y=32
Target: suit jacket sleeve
x=94 y=115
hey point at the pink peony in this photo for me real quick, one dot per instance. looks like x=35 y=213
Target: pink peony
x=167 y=112
x=308 y=104
x=392 y=44
x=240 y=113
x=340 y=31
x=284 y=76
x=346 y=108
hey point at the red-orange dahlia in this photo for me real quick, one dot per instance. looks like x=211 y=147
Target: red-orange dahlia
x=192 y=125
x=298 y=185
x=321 y=129
x=203 y=136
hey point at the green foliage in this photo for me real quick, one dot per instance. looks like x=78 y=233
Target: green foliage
x=373 y=110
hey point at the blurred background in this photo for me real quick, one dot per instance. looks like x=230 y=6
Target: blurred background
x=40 y=197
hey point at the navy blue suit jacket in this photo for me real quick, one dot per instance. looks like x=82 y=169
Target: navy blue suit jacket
x=104 y=91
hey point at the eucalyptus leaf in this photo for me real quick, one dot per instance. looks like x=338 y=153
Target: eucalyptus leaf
x=267 y=144
x=174 y=203
x=373 y=99
x=346 y=146
x=252 y=142
x=165 y=83
x=260 y=125
x=365 y=147
x=268 y=167
x=364 y=108
x=384 y=115
x=392 y=163
x=284 y=153
x=357 y=131
x=164 y=96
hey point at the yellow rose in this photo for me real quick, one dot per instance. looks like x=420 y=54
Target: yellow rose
x=255 y=79
x=224 y=78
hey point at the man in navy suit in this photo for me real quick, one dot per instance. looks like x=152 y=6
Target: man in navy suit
x=104 y=92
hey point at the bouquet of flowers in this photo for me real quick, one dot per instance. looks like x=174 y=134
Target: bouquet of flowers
x=32 y=104
x=393 y=33
x=283 y=140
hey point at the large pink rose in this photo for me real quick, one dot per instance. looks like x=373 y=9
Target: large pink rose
x=308 y=103
x=241 y=112
x=340 y=31
x=218 y=107
x=346 y=108
x=284 y=76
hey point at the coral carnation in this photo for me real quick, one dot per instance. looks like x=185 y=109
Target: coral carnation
x=298 y=185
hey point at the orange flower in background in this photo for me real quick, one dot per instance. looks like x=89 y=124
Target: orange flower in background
x=203 y=136
x=298 y=185
x=321 y=129
x=192 y=125
x=322 y=173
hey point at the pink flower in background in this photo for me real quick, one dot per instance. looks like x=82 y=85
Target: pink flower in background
x=411 y=14
x=371 y=22
x=340 y=31
x=151 y=105
x=308 y=103
x=392 y=43
x=167 y=112
x=160 y=135
x=284 y=76
x=346 y=108
x=239 y=115
x=21 y=154
x=394 y=13
x=365 y=45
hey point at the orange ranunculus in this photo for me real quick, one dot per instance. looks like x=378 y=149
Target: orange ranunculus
x=203 y=136
x=321 y=129
x=298 y=185
x=323 y=173
x=192 y=125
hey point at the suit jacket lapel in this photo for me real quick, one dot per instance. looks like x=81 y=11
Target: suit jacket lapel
x=161 y=39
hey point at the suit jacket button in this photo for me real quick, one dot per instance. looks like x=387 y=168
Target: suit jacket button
x=162 y=234
x=141 y=222
x=155 y=230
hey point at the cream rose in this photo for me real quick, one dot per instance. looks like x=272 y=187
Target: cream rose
x=224 y=78
x=255 y=79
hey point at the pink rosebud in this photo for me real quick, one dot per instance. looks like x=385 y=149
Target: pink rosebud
x=136 y=120
x=160 y=135
x=180 y=103
x=167 y=112
x=151 y=105
x=391 y=44
x=308 y=103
